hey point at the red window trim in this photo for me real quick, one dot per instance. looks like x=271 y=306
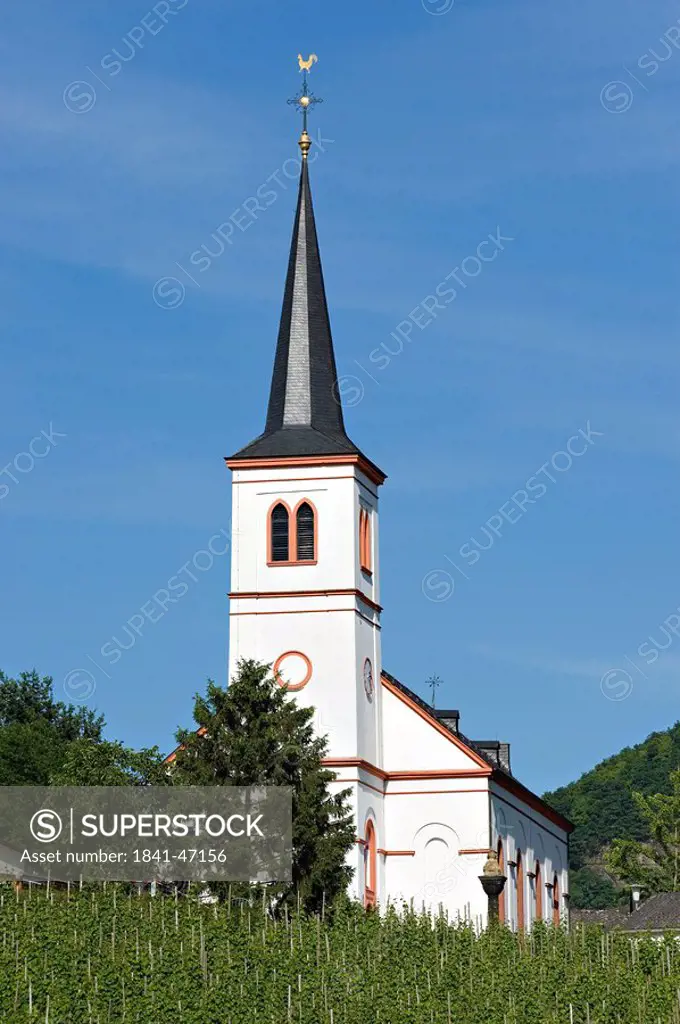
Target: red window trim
x=292 y=534
x=370 y=865
x=520 y=891
x=365 y=540
x=556 y=900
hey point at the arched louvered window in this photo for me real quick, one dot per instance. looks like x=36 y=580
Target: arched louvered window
x=278 y=525
x=304 y=533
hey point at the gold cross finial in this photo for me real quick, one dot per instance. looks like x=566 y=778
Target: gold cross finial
x=304 y=101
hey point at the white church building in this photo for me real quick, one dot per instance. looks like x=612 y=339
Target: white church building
x=429 y=803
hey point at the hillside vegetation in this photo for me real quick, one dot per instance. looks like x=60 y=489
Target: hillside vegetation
x=601 y=806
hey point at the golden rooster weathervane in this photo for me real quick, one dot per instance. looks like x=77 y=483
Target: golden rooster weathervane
x=306 y=65
x=304 y=100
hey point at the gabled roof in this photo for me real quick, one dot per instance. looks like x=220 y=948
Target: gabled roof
x=304 y=416
x=498 y=774
x=656 y=914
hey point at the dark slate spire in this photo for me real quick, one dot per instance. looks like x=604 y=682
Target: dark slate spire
x=304 y=416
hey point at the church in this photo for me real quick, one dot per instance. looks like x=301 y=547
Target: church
x=430 y=804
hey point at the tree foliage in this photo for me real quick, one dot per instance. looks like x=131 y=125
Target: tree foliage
x=602 y=807
x=88 y=762
x=655 y=865
x=36 y=730
x=254 y=734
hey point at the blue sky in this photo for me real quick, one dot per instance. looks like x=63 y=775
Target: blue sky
x=439 y=129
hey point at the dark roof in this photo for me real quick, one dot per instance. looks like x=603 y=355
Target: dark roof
x=610 y=917
x=304 y=416
x=655 y=914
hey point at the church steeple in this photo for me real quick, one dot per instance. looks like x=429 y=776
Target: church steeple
x=304 y=416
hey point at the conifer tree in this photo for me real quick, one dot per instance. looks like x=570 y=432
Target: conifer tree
x=253 y=733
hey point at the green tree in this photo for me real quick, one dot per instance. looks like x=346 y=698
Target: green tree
x=655 y=864
x=602 y=807
x=254 y=734
x=36 y=729
x=89 y=762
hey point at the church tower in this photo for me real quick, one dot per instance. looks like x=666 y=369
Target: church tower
x=305 y=598
x=305 y=582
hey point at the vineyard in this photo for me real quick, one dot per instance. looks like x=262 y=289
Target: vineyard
x=112 y=956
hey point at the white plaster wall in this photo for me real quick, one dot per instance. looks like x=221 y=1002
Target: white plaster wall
x=326 y=627
x=366 y=803
x=437 y=825
x=330 y=641
x=412 y=744
x=524 y=828
x=332 y=491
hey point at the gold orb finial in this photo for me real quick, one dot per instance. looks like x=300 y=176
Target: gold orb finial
x=305 y=144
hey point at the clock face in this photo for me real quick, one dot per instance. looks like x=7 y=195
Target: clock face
x=368 y=679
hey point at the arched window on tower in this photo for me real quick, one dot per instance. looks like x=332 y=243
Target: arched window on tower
x=538 y=884
x=556 y=901
x=365 y=559
x=501 y=898
x=279 y=547
x=520 y=892
x=370 y=865
x=304 y=533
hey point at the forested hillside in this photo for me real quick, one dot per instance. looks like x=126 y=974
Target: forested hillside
x=601 y=806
